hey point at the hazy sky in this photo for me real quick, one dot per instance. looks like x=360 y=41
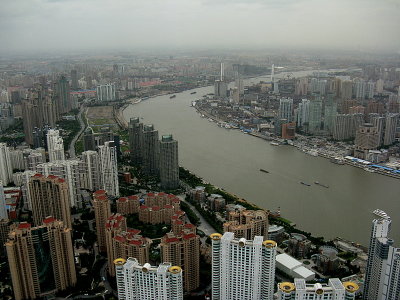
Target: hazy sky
x=131 y=24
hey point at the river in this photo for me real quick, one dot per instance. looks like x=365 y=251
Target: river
x=231 y=160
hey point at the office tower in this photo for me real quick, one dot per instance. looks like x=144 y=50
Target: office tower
x=367 y=138
x=109 y=168
x=391 y=122
x=382 y=272
x=169 y=163
x=63 y=95
x=183 y=249
x=74 y=80
x=89 y=140
x=346 y=90
x=221 y=86
x=136 y=140
x=102 y=211
x=247 y=223
x=92 y=166
x=55 y=145
x=146 y=282
x=333 y=290
x=70 y=170
x=330 y=113
x=123 y=242
x=150 y=151
x=242 y=269
x=106 y=92
x=49 y=197
x=6 y=170
x=315 y=115
x=286 y=109
x=303 y=113
x=3 y=210
x=41 y=259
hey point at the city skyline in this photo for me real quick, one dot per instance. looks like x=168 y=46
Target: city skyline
x=307 y=24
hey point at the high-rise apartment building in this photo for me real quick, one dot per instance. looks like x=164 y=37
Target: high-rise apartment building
x=136 y=140
x=333 y=290
x=74 y=80
x=146 y=282
x=378 y=122
x=150 y=151
x=106 y=92
x=49 y=197
x=169 y=163
x=41 y=259
x=3 y=210
x=70 y=170
x=102 y=211
x=315 y=114
x=64 y=103
x=303 y=113
x=34 y=158
x=242 y=269
x=247 y=223
x=55 y=145
x=183 y=249
x=109 y=168
x=346 y=90
x=391 y=122
x=123 y=242
x=367 y=138
x=92 y=166
x=6 y=170
x=329 y=113
x=286 y=109
x=383 y=271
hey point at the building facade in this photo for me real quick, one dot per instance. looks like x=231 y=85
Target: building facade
x=169 y=163
x=146 y=282
x=242 y=269
x=102 y=211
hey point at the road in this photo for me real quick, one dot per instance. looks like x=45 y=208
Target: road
x=103 y=274
x=204 y=226
x=83 y=127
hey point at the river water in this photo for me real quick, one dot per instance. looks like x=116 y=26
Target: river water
x=231 y=160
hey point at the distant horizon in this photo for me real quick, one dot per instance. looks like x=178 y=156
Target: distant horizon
x=371 y=26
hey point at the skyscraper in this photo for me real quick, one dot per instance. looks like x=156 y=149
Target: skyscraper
x=55 y=145
x=102 y=211
x=315 y=116
x=183 y=249
x=330 y=112
x=334 y=290
x=242 y=269
x=169 y=163
x=49 y=197
x=146 y=282
x=41 y=259
x=221 y=86
x=382 y=272
x=150 y=151
x=109 y=168
x=286 y=109
x=92 y=166
x=6 y=170
x=303 y=113
x=136 y=140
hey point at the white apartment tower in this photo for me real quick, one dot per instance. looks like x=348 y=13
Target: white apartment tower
x=6 y=170
x=109 y=168
x=106 y=92
x=286 y=109
x=146 y=282
x=55 y=145
x=333 y=290
x=383 y=269
x=303 y=112
x=242 y=269
x=91 y=161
